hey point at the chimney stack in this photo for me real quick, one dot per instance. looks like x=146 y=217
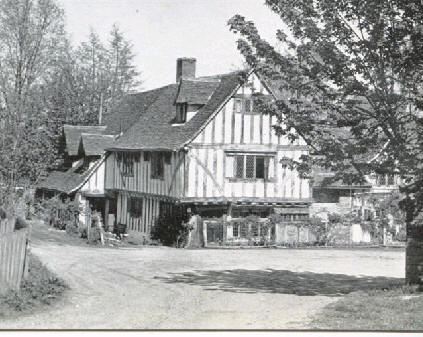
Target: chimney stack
x=185 y=68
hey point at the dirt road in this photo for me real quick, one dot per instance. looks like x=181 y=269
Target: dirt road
x=166 y=288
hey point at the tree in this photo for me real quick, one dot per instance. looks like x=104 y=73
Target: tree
x=91 y=77
x=349 y=83
x=31 y=35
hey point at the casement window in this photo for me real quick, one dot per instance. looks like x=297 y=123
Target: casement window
x=254 y=229
x=235 y=230
x=181 y=112
x=127 y=160
x=245 y=104
x=385 y=179
x=243 y=230
x=238 y=105
x=251 y=166
x=157 y=165
x=135 y=207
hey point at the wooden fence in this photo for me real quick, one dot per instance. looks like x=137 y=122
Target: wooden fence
x=13 y=255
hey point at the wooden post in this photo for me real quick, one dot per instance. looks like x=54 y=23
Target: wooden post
x=205 y=233
x=106 y=214
x=26 y=263
x=225 y=229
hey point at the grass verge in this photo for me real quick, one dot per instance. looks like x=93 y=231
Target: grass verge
x=41 y=289
x=398 y=308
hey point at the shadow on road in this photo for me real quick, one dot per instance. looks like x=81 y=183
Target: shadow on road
x=281 y=282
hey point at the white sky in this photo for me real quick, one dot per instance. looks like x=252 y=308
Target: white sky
x=163 y=30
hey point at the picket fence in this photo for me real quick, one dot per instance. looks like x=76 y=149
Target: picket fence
x=13 y=256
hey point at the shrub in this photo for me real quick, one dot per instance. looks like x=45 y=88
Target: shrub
x=320 y=229
x=72 y=228
x=58 y=213
x=94 y=236
x=20 y=223
x=401 y=235
x=171 y=228
x=334 y=218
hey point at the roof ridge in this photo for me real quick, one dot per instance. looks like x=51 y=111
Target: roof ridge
x=150 y=90
x=199 y=79
x=96 y=134
x=84 y=126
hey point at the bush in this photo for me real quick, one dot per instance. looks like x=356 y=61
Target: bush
x=401 y=235
x=94 y=236
x=320 y=229
x=334 y=218
x=171 y=228
x=20 y=223
x=58 y=213
x=72 y=229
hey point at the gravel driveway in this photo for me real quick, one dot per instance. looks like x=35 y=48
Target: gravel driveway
x=166 y=288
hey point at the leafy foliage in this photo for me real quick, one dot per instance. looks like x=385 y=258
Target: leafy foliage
x=171 y=227
x=59 y=213
x=46 y=82
x=349 y=83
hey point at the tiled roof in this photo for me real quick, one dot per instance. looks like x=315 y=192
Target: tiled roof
x=196 y=91
x=63 y=182
x=73 y=135
x=154 y=129
x=69 y=181
x=129 y=110
x=94 y=145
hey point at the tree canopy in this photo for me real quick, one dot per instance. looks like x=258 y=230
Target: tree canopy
x=45 y=82
x=349 y=82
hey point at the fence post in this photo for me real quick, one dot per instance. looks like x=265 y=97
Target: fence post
x=26 y=261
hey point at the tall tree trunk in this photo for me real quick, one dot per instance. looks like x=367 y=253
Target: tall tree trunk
x=414 y=251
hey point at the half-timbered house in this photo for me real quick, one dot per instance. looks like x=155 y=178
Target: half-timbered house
x=202 y=143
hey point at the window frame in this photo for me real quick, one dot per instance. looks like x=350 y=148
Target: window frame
x=135 y=207
x=157 y=158
x=241 y=105
x=245 y=176
x=128 y=159
x=181 y=112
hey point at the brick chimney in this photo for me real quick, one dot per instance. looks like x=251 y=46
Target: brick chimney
x=185 y=68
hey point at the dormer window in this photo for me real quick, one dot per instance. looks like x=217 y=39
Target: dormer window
x=181 y=112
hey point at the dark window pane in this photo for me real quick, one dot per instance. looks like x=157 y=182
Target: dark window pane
x=235 y=231
x=239 y=166
x=135 y=209
x=260 y=167
x=128 y=164
x=244 y=230
x=249 y=168
x=157 y=167
x=247 y=105
x=254 y=229
x=391 y=180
